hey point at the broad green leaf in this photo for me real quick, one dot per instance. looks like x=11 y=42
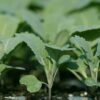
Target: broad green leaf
x=65 y=6
x=11 y=6
x=55 y=26
x=33 y=20
x=50 y=26
x=84 y=21
x=31 y=82
x=90 y=36
x=35 y=44
x=8 y=25
x=83 y=45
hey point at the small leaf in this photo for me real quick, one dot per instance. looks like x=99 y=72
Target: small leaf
x=81 y=67
x=83 y=45
x=63 y=59
x=31 y=82
x=90 y=82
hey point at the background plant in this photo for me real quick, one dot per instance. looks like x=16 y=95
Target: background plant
x=86 y=65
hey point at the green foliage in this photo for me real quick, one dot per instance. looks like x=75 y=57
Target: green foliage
x=65 y=6
x=36 y=45
x=84 y=21
x=2 y=68
x=87 y=60
x=63 y=59
x=32 y=83
x=33 y=20
x=52 y=26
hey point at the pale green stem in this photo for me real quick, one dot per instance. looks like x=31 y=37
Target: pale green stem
x=75 y=74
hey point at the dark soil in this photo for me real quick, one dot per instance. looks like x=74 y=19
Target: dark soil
x=59 y=96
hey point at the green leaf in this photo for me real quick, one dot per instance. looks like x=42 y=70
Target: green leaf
x=56 y=51
x=55 y=26
x=33 y=20
x=35 y=44
x=64 y=59
x=91 y=82
x=61 y=38
x=11 y=43
x=65 y=6
x=84 y=21
x=8 y=25
x=31 y=82
x=83 y=45
x=8 y=44
x=11 y=6
x=81 y=67
x=78 y=67
x=2 y=68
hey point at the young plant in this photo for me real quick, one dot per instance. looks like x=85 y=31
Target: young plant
x=45 y=58
x=86 y=66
